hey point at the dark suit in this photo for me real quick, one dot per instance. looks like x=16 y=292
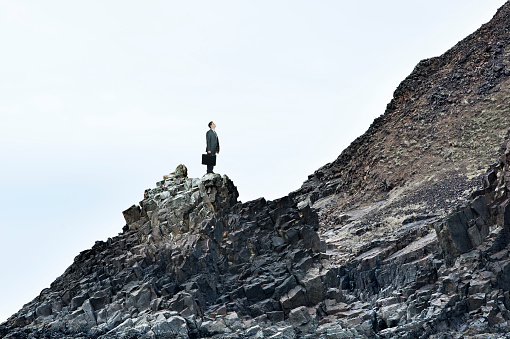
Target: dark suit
x=213 y=146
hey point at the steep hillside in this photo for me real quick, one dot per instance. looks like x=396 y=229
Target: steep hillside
x=427 y=152
x=405 y=235
x=446 y=119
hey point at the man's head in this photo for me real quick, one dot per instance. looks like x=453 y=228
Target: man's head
x=212 y=125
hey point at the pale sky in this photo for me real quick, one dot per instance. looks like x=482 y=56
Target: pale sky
x=100 y=99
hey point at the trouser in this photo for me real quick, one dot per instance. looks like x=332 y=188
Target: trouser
x=210 y=167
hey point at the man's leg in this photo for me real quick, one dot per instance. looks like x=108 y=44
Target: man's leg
x=210 y=168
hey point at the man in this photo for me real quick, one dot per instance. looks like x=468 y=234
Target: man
x=213 y=144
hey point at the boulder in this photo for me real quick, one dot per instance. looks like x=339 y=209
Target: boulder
x=132 y=214
x=78 y=300
x=313 y=285
x=43 y=310
x=140 y=298
x=173 y=327
x=254 y=292
x=294 y=298
x=299 y=316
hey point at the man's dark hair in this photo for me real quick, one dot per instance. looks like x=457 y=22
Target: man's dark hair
x=210 y=124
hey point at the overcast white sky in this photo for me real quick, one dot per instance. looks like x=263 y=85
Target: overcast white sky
x=99 y=99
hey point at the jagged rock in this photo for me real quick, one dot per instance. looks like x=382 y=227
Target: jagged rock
x=132 y=214
x=314 y=286
x=295 y=298
x=254 y=292
x=300 y=316
x=140 y=298
x=288 y=284
x=173 y=327
x=78 y=300
x=44 y=310
x=185 y=304
x=214 y=327
x=372 y=245
x=195 y=252
x=255 y=332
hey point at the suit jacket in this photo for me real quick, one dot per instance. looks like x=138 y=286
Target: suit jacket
x=213 y=143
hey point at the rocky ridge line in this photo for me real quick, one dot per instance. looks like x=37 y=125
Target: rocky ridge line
x=399 y=256
x=192 y=262
x=184 y=268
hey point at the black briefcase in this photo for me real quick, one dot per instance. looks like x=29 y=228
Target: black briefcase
x=208 y=159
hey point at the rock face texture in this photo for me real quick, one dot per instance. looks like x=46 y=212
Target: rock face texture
x=403 y=236
x=191 y=262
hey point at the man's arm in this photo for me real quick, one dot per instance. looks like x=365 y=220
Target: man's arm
x=209 y=140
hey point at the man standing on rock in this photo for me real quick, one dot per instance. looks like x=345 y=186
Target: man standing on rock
x=213 y=144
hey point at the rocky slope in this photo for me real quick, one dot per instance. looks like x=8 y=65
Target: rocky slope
x=191 y=262
x=446 y=122
x=427 y=153
x=403 y=236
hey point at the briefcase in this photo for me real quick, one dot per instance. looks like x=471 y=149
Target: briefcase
x=208 y=159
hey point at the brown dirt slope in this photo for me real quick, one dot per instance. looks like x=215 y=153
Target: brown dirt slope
x=440 y=131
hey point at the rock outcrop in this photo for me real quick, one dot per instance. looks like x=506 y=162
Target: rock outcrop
x=454 y=279
x=192 y=262
x=402 y=236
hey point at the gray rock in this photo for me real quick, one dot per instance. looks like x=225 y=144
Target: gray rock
x=172 y=327
x=311 y=238
x=195 y=262
x=78 y=300
x=474 y=235
x=254 y=292
x=233 y=321
x=89 y=312
x=123 y=327
x=295 y=298
x=101 y=317
x=140 y=298
x=149 y=335
x=278 y=241
x=313 y=286
x=276 y=316
x=215 y=327
x=78 y=322
x=287 y=332
x=43 y=310
x=476 y=301
x=299 y=316
x=115 y=319
x=255 y=332
x=185 y=304
x=287 y=285
x=453 y=236
x=132 y=214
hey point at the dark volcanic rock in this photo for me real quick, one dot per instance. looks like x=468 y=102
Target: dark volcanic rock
x=195 y=249
x=394 y=239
